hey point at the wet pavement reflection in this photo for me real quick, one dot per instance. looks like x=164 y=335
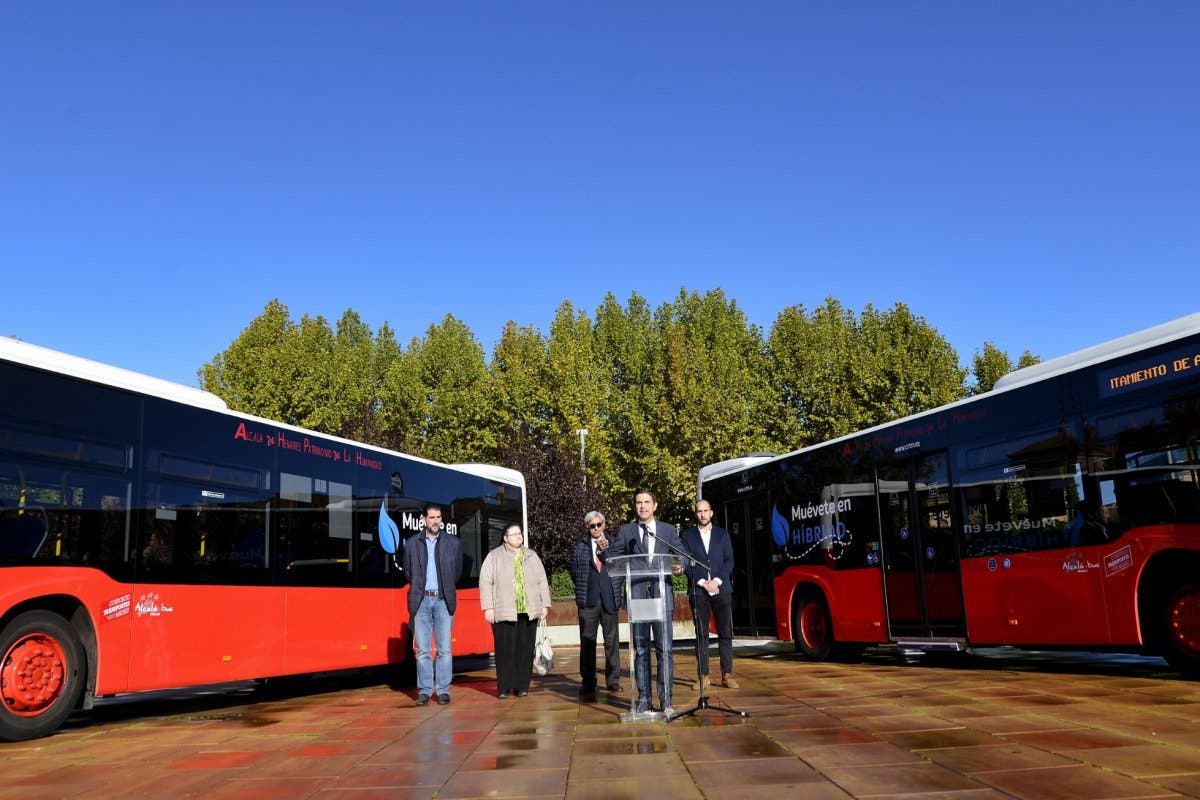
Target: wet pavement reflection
x=998 y=724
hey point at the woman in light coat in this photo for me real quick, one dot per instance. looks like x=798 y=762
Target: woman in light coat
x=514 y=594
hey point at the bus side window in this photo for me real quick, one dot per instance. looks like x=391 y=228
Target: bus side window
x=23 y=534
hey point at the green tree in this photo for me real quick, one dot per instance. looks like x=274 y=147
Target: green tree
x=813 y=357
x=988 y=367
x=436 y=398
x=520 y=381
x=907 y=367
x=628 y=347
x=581 y=390
x=260 y=372
x=992 y=364
x=718 y=399
x=839 y=374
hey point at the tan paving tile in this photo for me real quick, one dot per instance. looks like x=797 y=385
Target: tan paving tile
x=511 y=783
x=406 y=776
x=857 y=755
x=167 y=784
x=1070 y=783
x=659 y=766
x=216 y=760
x=989 y=758
x=630 y=788
x=387 y=793
x=796 y=722
x=768 y=774
x=265 y=788
x=518 y=760
x=724 y=745
x=905 y=722
x=914 y=778
x=1184 y=784
x=949 y=737
x=1016 y=723
x=1142 y=761
x=802 y=741
x=1074 y=739
x=620 y=746
x=965 y=794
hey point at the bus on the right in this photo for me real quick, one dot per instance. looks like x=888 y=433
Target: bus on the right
x=1061 y=509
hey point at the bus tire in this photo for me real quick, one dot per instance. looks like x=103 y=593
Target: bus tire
x=813 y=627
x=42 y=672
x=1181 y=629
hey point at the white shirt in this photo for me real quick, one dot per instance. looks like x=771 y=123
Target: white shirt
x=648 y=536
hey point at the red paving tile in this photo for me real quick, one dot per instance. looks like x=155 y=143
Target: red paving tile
x=819 y=731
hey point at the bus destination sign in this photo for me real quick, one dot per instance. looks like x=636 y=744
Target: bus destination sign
x=1183 y=363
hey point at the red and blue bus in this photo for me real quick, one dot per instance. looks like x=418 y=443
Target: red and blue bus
x=151 y=538
x=1061 y=509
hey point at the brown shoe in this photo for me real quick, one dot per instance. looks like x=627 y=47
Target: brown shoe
x=705 y=682
x=728 y=682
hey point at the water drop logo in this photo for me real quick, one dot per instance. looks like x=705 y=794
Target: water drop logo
x=389 y=534
x=779 y=528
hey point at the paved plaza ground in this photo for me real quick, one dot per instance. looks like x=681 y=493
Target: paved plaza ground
x=1003 y=725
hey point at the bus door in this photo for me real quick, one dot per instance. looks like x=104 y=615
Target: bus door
x=748 y=520
x=922 y=584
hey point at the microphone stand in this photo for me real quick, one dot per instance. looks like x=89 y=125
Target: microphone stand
x=702 y=702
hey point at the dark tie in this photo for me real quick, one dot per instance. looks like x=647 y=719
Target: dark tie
x=645 y=534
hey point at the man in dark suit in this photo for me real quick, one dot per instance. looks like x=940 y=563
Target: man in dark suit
x=598 y=601
x=433 y=563
x=711 y=593
x=655 y=540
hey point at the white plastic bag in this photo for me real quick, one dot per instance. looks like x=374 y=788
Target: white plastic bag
x=543 y=651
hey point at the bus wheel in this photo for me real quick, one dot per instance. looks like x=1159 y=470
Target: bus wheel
x=41 y=674
x=813 y=627
x=1182 y=640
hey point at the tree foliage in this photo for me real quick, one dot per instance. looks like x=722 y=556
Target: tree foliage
x=661 y=391
x=992 y=364
x=838 y=373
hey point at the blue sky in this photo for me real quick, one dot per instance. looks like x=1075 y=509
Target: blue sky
x=1019 y=172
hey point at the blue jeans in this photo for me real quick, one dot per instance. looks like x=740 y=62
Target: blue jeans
x=663 y=635
x=432 y=621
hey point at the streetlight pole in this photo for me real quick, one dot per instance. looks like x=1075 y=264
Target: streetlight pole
x=582 y=451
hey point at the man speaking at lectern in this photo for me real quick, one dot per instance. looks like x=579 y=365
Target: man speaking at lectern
x=659 y=541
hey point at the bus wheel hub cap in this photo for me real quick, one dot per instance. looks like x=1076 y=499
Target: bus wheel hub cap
x=1185 y=621
x=31 y=677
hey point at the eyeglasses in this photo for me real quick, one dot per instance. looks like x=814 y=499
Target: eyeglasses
x=595 y=525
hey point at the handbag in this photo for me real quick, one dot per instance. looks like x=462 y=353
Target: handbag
x=543 y=651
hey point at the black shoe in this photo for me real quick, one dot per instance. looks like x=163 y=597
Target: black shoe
x=422 y=699
x=504 y=695
x=444 y=699
x=616 y=688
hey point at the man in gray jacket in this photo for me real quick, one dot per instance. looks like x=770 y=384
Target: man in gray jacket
x=598 y=600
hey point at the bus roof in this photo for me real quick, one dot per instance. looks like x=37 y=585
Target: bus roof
x=1144 y=339
x=732 y=465
x=44 y=358
x=495 y=473
x=1150 y=337
x=53 y=361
